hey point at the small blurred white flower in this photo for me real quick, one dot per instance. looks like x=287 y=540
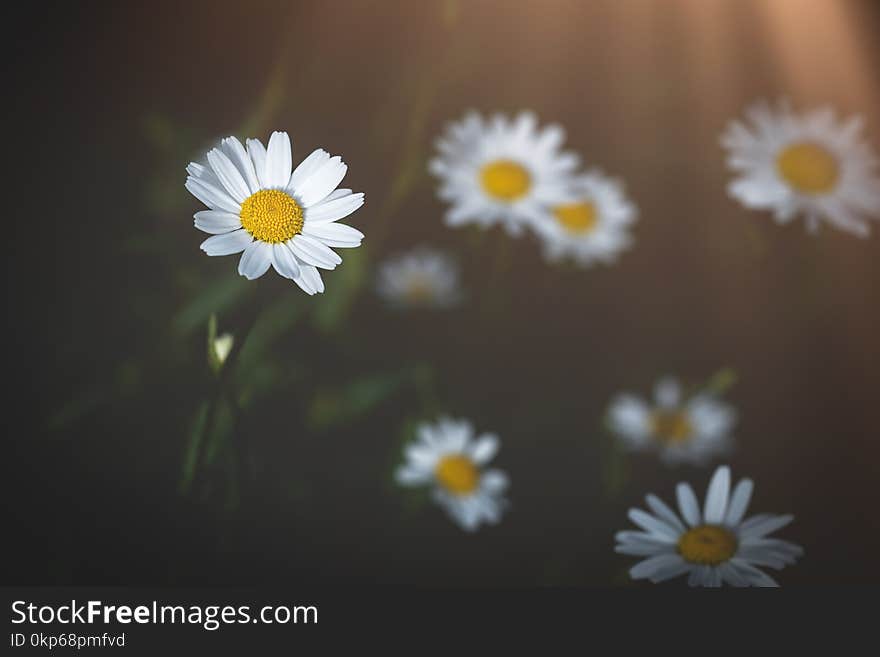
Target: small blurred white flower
x=423 y=277
x=809 y=164
x=447 y=457
x=682 y=430
x=501 y=171
x=279 y=216
x=594 y=227
x=711 y=547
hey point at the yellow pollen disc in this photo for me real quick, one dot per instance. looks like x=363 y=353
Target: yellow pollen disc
x=419 y=290
x=271 y=215
x=671 y=426
x=708 y=545
x=505 y=180
x=808 y=167
x=577 y=218
x=457 y=474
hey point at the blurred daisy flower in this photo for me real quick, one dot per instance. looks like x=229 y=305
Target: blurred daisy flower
x=447 y=457
x=421 y=278
x=810 y=165
x=712 y=547
x=681 y=430
x=501 y=171
x=277 y=215
x=594 y=227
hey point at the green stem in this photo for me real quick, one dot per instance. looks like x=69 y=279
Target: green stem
x=218 y=393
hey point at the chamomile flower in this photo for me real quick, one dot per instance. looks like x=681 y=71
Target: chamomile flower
x=447 y=457
x=421 y=278
x=278 y=216
x=501 y=171
x=681 y=430
x=713 y=546
x=810 y=165
x=593 y=227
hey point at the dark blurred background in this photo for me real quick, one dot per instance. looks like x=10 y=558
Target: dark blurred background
x=108 y=295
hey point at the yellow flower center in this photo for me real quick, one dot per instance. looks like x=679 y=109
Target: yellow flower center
x=577 y=218
x=708 y=545
x=457 y=474
x=672 y=427
x=271 y=215
x=505 y=180
x=419 y=289
x=808 y=167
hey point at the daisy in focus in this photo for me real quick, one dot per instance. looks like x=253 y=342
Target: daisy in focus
x=448 y=457
x=680 y=429
x=808 y=165
x=713 y=546
x=276 y=215
x=501 y=171
x=421 y=278
x=594 y=227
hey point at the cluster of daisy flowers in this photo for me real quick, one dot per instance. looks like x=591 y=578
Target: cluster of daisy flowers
x=515 y=174
x=510 y=172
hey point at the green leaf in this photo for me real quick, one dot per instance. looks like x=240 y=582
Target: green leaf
x=191 y=454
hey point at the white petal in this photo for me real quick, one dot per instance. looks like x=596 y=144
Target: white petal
x=650 y=567
x=312 y=278
x=216 y=223
x=284 y=261
x=227 y=244
x=214 y=197
x=494 y=481
x=255 y=260
x=483 y=449
x=660 y=508
x=716 y=496
x=654 y=525
x=313 y=252
x=764 y=526
x=339 y=193
x=257 y=153
x=334 y=209
x=406 y=476
x=228 y=174
x=739 y=502
x=323 y=181
x=732 y=576
x=306 y=168
x=754 y=576
x=687 y=504
x=667 y=393
x=236 y=152
x=669 y=569
x=335 y=235
x=278 y=161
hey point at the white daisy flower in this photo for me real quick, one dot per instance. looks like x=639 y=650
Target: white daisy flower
x=810 y=165
x=446 y=456
x=712 y=547
x=681 y=430
x=501 y=171
x=594 y=227
x=277 y=215
x=423 y=277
